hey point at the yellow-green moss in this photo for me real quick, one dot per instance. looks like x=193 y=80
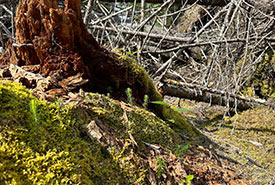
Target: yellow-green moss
x=263 y=78
x=254 y=125
x=235 y=135
x=54 y=148
x=51 y=151
x=164 y=112
x=143 y=125
x=240 y=131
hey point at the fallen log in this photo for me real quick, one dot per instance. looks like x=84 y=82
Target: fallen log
x=212 y=96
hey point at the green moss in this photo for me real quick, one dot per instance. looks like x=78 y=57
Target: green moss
x=164 y=112
x=235 y=137
x=254 y=125
x=48 y=145
x=137 y=73
x=143 y=125
x=52 y=151
x=262 y=82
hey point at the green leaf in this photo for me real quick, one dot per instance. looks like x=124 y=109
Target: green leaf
x=189 y=177
x=172 y=120
x=181 y=109
x=160 y=103
x=129 y=53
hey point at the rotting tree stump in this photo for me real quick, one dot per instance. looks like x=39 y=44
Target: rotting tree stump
x=59 y=42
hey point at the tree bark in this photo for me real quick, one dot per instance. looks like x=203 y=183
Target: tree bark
x=214 y=97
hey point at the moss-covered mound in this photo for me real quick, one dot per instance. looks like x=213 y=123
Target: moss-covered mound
x=46 y=143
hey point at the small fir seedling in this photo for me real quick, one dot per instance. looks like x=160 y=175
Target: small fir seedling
x=172 y=120
x=161 y=165
x=130 y=97
x=145 y=102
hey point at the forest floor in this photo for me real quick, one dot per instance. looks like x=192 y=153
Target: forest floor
x=232 y=150
x=245 y=139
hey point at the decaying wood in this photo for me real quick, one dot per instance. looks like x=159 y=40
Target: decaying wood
x=73 y=82
x=212 y=96
x=4 y=72
x=57 y=40
x=31 y=68
x=29 y=79
x=52 y=85
x=97 y=131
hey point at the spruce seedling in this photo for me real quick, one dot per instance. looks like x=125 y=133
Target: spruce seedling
x=161 y=165
x=145 y=101
x=33 y=109
x=130 y=97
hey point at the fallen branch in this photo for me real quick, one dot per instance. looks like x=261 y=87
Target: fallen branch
x=200 y=2
x=212 y=96
x=112 y=15
x=177 y=39
x=205 y=43
x=142 y=34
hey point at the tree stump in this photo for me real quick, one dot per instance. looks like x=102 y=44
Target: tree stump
x=59 y=42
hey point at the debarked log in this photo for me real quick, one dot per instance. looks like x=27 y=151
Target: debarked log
x=212 y=96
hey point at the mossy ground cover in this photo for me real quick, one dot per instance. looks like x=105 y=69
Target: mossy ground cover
x=51 y=150
x=45 y=142
x=250 y=133
x=253 y=132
